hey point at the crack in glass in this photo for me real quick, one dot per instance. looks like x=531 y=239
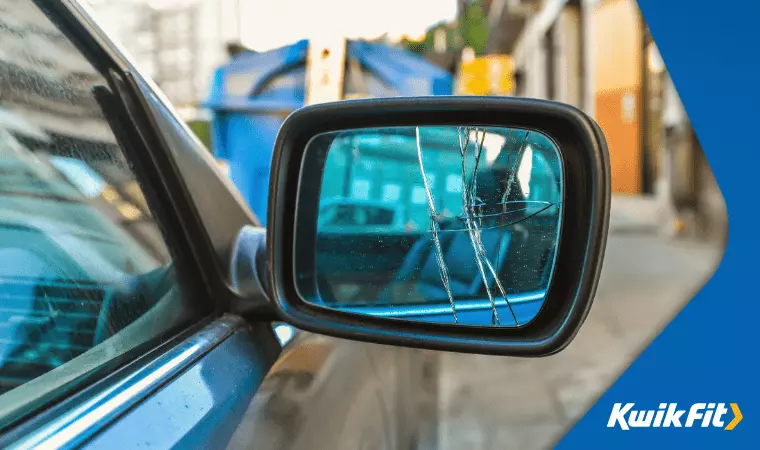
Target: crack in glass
x=433 y=223
x=472 y=215
x=470 y=203
x=434 y=228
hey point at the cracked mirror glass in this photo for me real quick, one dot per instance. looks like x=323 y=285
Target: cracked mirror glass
x=445 y=224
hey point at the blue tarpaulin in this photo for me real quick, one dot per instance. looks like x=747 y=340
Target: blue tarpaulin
x=253 y=93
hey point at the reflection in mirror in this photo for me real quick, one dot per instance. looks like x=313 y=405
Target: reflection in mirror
x=440 y=224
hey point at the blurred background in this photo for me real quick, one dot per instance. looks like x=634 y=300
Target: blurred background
x=234 y=69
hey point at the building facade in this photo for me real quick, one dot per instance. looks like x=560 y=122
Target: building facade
x=598 y=56
x=178 y=43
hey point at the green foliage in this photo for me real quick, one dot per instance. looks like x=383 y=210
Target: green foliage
x=471 y=31
x=474 y=28
x=415 y=47
x=202 y=130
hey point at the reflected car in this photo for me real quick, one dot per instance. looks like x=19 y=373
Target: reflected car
x=342 y=215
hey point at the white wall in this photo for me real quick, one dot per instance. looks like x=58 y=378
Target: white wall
x=218 y=22
x=568 y=80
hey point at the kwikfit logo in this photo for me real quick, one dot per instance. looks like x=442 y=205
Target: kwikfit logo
x=669 y=415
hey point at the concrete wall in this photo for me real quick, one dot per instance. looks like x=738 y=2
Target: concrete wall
x=568 y=51
x=689 y=182
x=599 y=48
x=573 y=78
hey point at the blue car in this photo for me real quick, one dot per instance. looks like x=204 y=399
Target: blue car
x=142 y=305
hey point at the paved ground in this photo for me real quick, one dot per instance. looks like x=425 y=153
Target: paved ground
x=639 y=213
x=501 y=403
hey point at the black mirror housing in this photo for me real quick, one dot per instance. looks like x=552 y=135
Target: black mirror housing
x=292 y=222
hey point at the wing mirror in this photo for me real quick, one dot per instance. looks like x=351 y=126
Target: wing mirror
x=453 y=223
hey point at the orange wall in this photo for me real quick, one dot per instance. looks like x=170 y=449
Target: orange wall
x=617 y=62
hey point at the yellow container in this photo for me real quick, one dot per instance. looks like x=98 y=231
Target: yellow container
x=486 y=75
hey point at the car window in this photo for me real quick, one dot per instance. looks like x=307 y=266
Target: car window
x=379 y=216
x=361 y=217
x=355 y=215
x=345 y=215
x=85 y=272
x=326 y=214
x=339 y=215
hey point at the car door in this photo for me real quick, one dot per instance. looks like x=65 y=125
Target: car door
x=117 y=329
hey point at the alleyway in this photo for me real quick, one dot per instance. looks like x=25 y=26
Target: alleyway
x=503 y=403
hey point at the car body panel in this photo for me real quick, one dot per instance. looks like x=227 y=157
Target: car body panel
x=321 y=393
